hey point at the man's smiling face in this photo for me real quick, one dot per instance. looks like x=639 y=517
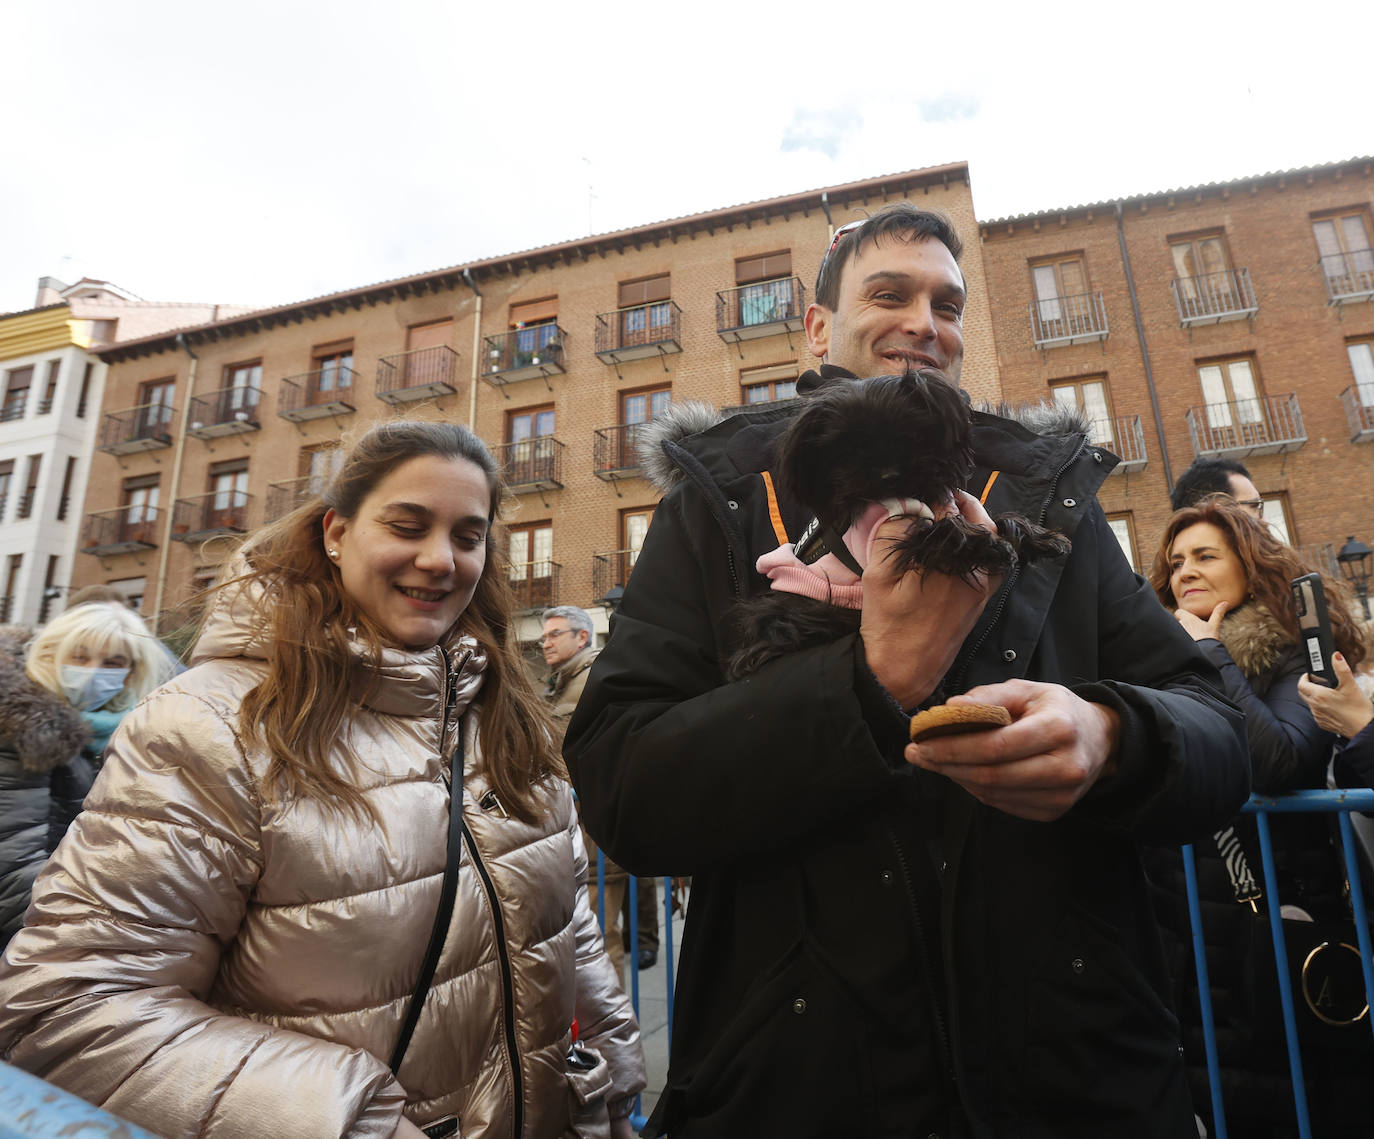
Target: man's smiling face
x=901 y=306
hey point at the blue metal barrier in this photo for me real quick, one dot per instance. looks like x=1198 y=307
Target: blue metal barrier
x=31 y=1108
x=1342 y=803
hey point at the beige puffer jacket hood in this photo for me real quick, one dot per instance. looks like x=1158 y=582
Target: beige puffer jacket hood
x=203 y=961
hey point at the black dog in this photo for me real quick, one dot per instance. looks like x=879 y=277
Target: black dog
x=856 y=443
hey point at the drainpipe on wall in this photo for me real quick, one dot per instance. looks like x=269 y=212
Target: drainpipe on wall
x=476 y=349
x=825 y=205
x=1144 y=351
x=165 y=547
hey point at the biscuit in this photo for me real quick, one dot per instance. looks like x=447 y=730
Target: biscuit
x=956 y=719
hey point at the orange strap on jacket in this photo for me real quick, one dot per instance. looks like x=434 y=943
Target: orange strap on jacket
x=987 y=490
x=774 y=511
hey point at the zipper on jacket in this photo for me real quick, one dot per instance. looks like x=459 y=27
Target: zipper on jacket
x=507 y=987
x=936 y=983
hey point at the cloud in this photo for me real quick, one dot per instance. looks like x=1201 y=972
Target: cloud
x=948 y=107
x=822 y=130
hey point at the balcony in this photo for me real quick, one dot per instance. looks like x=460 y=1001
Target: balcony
x=613 y=455
x=147 y=427
x=531 y=464
x=315 y=395
x=523 y=354
x=210 y=515
x=610 y=570
x=1268 y=425
x=763 y=309
x=6 y=608
x=229 y=411
x=284 y=497
x=638 y=333
x=1124 y=438
x=1358 y=401
x=1349 y=277
x=124 y=530
x=534 y=584
x=422 y=373
x=1214 y=297
x=15 y=403
x=1057 y=322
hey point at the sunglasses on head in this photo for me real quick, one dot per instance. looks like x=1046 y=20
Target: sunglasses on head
x=848 y=227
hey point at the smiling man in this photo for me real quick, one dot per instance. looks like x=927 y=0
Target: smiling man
x=953 y=939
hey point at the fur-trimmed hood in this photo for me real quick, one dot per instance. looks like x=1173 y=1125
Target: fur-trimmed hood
x=39 y=728
x=1255 y=638
x=692 y=417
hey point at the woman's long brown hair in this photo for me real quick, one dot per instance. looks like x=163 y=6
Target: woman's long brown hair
x=300 y=711
x=1270 y=566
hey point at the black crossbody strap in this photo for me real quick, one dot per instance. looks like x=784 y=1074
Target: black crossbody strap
x=439 y=934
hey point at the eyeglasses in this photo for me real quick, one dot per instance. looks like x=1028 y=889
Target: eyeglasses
x=547 y=637
x=848 y=227
x=1255 y=504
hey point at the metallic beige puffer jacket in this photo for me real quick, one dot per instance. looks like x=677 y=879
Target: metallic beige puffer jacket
x=202 y=961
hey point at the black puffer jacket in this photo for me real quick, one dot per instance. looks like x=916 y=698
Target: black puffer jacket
x=869 y=951
x=43 y=777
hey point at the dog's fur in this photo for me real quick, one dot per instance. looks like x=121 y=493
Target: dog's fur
x=907 y=436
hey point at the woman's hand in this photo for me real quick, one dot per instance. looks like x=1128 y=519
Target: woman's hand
x=1200 y=630
x=621 y=1128
x=1344 y=709
x=407 y=1130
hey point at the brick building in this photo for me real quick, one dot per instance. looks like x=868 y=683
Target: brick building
x=1233 y=319
x=553 y=355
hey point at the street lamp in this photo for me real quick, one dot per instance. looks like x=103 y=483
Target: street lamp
x=612 y=598
x=1353 y=559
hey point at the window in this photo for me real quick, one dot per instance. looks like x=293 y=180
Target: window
x=66 y=498
x=1361 y=353
x=35 y=466
x=766 y=385
x=1202 y=268
x=6 y=477
x=634 y=525
x=50 y=387
x=229 y=484
x=1346 y=256
x=646 y=317
x=531 y=423
x=642 y=406
x=13 y=565
x=1123 y=530
x=531 y=564
x=1230 y=393
x=16 y=393
x=155 y=408
x=319 y=463
x=767 y=288
x=535 y=324
x=332 y=365
x=50 y=590
x=1274 y=512
x=85 y=396
x=1088 y=397
x=243 y=388
x=1199 y=256
x=140 y=508
x=1060 y=287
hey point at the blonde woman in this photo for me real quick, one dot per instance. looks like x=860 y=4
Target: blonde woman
x=230 y=938
x=61 y=695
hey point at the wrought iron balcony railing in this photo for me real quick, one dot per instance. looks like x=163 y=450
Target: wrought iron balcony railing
x=1214 y=297
x=1059 y=321
x=26 y=503
x=314 y=395
x=1322 y=556
x=124 y=530
x=1123 y=437
x=14 y=405
x=531 y=464
x=6 y=608
x=611 y=569
x=284 y=497
x=228 y=411
x=1349 y=276
x=523 y=354
x=534 y=584
x=761 y=309
x=613 y=452
x=635 y=333
x=143 y=428
x=209 y=515
x=422 y=373
x=1265 y=425
x=1358 y=401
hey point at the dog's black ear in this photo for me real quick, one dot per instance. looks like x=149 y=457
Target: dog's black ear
x=1031 y=542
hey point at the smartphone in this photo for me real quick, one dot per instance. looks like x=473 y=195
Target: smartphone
x=1309 y=598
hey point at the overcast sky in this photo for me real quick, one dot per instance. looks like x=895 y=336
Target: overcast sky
x=260 y=153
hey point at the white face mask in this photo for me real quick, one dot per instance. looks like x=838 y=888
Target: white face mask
x=87 y=689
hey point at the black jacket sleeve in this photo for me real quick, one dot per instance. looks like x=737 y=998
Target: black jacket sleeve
x=1288 y=751
x=678 y=771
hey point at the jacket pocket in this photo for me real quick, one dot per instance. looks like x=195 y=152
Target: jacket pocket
x=798 y=1029
x=589 y=1085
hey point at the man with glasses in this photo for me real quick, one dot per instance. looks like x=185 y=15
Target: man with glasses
x=1207 y=477
x=885 y=939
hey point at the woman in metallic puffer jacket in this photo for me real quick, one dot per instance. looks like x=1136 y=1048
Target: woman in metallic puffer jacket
x=227 y=939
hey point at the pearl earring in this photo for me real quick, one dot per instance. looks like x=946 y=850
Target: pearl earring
x=334 y=554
